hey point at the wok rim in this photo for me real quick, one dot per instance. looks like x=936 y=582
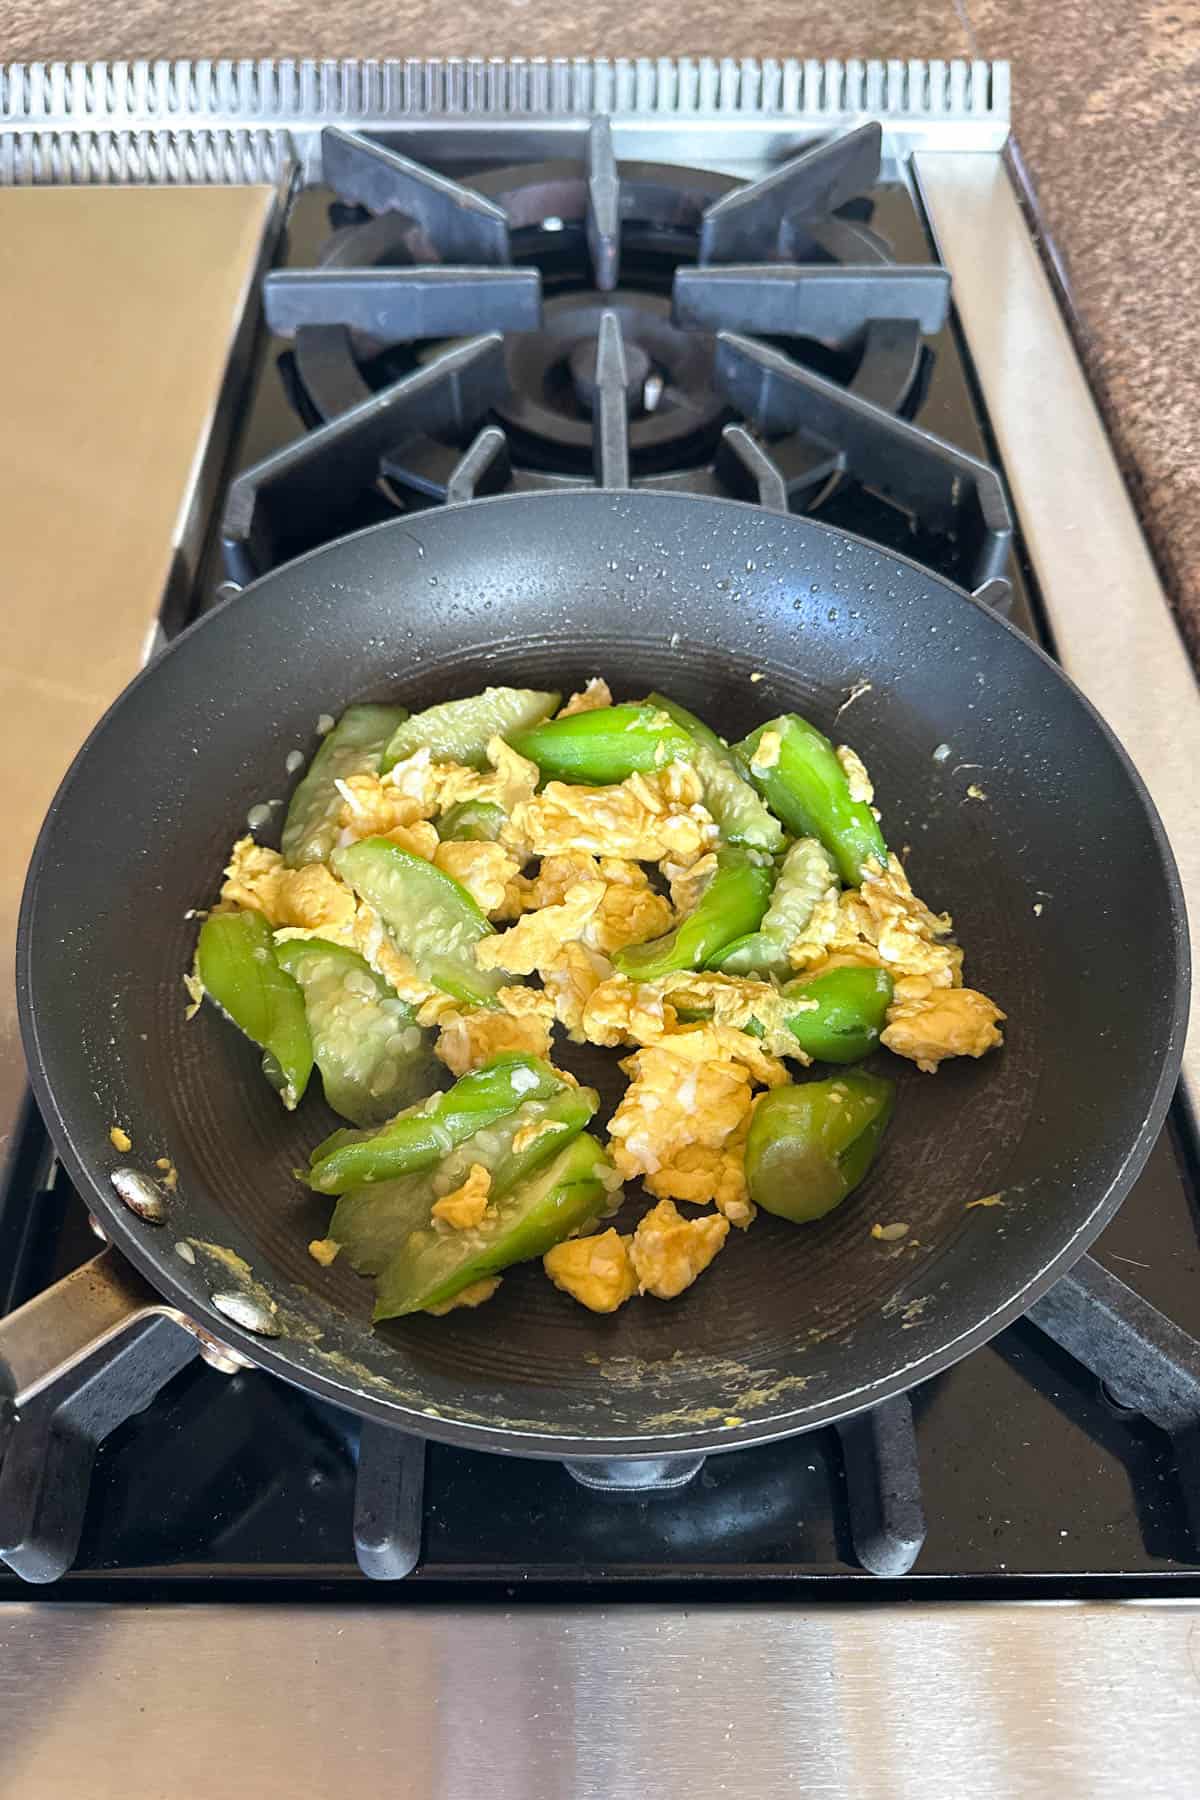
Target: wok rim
x=135 y=1239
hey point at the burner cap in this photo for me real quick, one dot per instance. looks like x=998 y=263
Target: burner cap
x=675 y=412
x=582 y=364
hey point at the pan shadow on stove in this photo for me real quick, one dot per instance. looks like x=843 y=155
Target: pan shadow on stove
x=1120 y=1434
x=750 y=1512
x=230 y=1474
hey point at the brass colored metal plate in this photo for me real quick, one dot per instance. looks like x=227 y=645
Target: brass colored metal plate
x=126 y=313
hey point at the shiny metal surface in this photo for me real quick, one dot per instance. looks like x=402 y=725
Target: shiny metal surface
x=142 y=158
x=188 y=122
x=127 y=318
x=590 y=1703
x=62 y=1326
x=1108 y=614
x=587 y=1703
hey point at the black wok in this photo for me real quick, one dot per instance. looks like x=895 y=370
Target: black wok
x=1035 y=832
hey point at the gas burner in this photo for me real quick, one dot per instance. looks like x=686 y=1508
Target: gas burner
x=675 y=411
x=643 y=240
x=635 y=324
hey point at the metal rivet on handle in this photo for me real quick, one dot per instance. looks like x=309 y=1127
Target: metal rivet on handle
x=250 y=1314
x=140 y=1195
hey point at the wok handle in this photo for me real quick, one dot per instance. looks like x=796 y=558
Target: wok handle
x=57 y=1330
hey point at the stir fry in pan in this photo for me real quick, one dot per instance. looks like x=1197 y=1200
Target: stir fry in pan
x=462 y=892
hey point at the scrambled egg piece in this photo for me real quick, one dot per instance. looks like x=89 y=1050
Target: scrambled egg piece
x=589 y=698
x=941 y=1022
x=689 y=881
x=646 y=818
x=574 y=899
x=647 y=1012
x=308 y=897
x=120 y=1139
x=669 y=1251
x=883 y=922
x=419 y=779
x=596 y=1271
x=555 y=877
x=396 y=805
x=620 y=1011
x=855 y=771
x=324 y=1251
x=475 y=1295
x=468 y=1039
x=529 y=1134
x=735 y=1001
x=828 y=929
x=681 y=1127
x=399 y=805
x=858 y=957
x=511 y=780
x=487 y=871
x=420 y=839
x=629 y=912
x=376 y=808
x=536 y=940
x=766 y=751
x=906 y=934
x=570 y=981
x=732 y=1197
x=465 y=1206
x=527 y=1003
x=708 y=1042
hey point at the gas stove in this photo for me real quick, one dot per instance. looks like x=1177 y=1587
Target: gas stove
x=788 y=340
x=694 y=278
x=626 y=326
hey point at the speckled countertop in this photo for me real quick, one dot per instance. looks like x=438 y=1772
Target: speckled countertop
x=1106 y=95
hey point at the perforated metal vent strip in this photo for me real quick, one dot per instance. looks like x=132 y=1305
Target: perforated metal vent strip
x=223 y=121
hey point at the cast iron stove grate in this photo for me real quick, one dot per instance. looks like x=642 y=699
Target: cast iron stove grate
x=633 y=325
x=147 y=1465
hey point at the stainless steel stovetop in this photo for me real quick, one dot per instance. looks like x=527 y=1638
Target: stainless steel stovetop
x=1032 y=1469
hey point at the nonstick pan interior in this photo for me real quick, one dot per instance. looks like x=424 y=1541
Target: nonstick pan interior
x=1033 y=831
